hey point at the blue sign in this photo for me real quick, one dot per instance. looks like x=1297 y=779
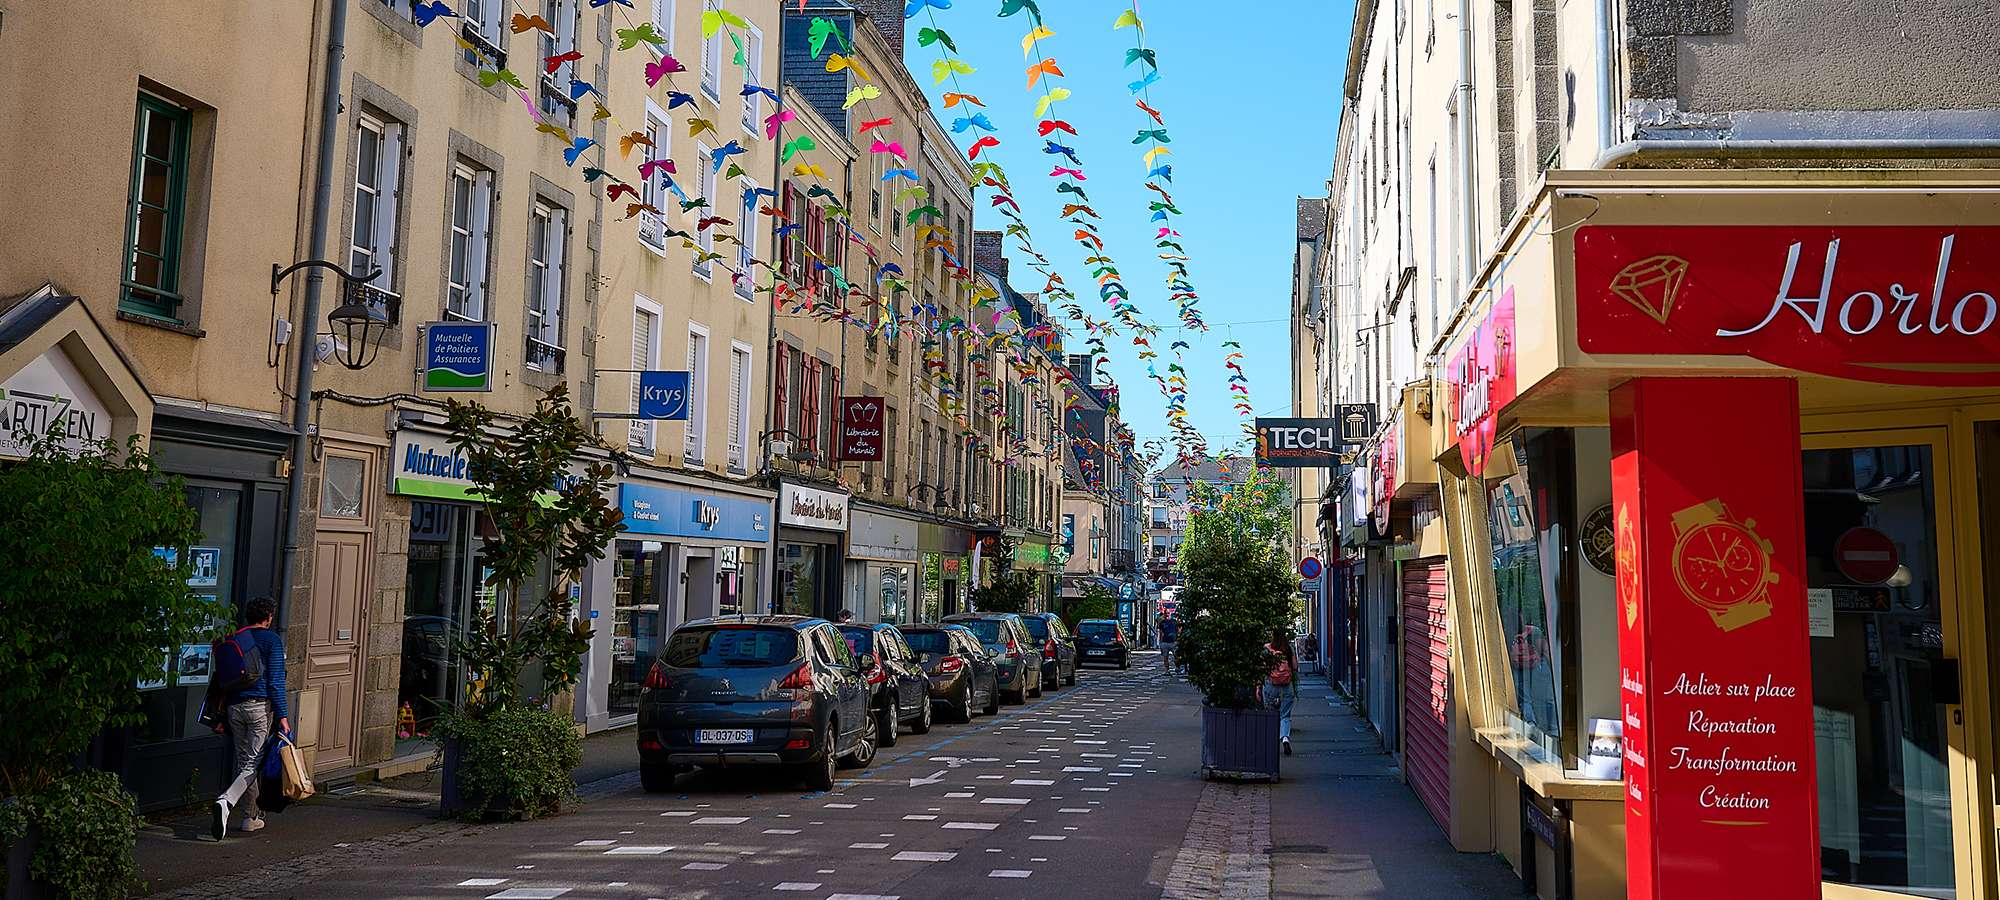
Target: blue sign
x=458 y=356
x=663 y=395
x=1128 y=592
x=665 y=511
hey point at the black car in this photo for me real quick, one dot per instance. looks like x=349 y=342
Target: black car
x=1102 y=641
x=962 y=675
x=1058 y=647
x=901 y=691
x=755 y=690
x=1012 y=649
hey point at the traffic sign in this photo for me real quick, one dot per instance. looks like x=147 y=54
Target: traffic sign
x=1309 y=567
x=1866 y=555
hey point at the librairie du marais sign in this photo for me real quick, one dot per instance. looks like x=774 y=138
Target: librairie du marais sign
x=1889 y=304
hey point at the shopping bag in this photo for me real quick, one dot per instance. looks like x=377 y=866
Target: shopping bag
x=297 y=778
x=271 y=779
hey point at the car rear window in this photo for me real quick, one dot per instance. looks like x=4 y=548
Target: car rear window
x=1037 y=626
x=858 y=640
x=718 y=646
x=928 y=641
x=988 y=629
x=1097 y=629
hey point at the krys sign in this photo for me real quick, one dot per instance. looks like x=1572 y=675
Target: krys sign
x=1891 y=304
x=1480 y=381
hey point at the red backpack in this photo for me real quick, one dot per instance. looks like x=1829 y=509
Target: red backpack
x=239 y=662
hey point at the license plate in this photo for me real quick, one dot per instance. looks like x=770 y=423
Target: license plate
x=1093 y=653
x=723 y=736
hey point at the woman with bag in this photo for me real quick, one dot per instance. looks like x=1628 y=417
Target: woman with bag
x=1281 y=688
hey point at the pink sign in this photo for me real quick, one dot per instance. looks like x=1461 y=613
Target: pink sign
x=1480 y=380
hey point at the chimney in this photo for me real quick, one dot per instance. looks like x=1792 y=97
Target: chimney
x=988 y=253
x=887 y=17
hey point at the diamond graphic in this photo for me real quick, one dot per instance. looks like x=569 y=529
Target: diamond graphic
x=1652 y=285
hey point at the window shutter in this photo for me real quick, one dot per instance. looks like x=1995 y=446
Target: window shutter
x=832 y=408
x=739 y=389
x=809 y=404
x=781 y=372
x=642 y=359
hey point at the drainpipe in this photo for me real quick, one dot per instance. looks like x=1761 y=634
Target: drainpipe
x=307 y=347
x=1607 y=105
x=1920 y=148
x=1468 y=156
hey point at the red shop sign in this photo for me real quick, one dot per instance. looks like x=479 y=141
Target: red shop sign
x=1384 y=473
x=1480 y=381
x=1889 y=304
x=861 y=429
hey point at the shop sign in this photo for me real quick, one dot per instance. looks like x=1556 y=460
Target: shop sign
x=458 y=356
x=675 y=513
x=1383 y=471
x=1300 y=443
x=808 y=507
x=427 y=465
x=1480 y=382
x=663 y=395
x=1030 y=556
x=728 y=559
x=1715 y=671
x=861 y=429
x=46 y=392
x=1886 y=304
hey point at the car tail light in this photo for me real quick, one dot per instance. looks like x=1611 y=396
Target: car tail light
x=1013 y=649
x=656 y=679
x=1049 y=649
x=798 y=743
x=951 y=664
x=801 y=679
x=878 y=675
x=650 y=745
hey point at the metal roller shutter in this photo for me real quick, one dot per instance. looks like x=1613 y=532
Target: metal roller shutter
x=1426 y=686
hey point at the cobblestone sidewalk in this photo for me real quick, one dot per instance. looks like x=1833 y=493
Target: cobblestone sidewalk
x=1223 y=855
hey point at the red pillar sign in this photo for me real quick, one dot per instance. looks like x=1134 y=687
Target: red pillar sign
x=1716 y=677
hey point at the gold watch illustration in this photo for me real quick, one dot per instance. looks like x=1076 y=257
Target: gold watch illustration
x=1723 y=565
x=1625 y=554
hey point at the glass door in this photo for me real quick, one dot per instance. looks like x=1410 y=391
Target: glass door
x=1881 y=615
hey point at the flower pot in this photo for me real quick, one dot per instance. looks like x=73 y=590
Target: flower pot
x=452 y=797
x=1239 y=743
x=19 y=885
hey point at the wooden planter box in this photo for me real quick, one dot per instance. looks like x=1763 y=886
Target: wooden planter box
x=452 y=798
x=1239 y=743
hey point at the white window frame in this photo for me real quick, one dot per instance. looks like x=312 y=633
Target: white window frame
x=547 y=237
x=476 y=231
x=711 y=61
x=377 y=247
x=697 y=420
x=705 y=181
x=485 y=16
x=741 y=357
x=653 y=191
x=753 y=53
x=663 y=23
x=562 y=17
x=640 y=436
x=746 y=235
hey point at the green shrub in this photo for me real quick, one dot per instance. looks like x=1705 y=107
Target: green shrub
x=1236 y=585
x=87 y=823
x=516 y=760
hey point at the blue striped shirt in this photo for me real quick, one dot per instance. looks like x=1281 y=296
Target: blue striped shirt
x=272 y=686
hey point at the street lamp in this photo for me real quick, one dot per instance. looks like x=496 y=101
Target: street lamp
x=358 y=325
x=937 y=495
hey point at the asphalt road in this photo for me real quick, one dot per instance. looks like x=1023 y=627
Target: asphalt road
x=1085 y=791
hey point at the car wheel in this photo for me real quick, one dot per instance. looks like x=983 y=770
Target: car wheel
x=864 y=751
x=993 y=699
x=1072 y=675
x=962 y=708
x=923 y=723
x=819 y=770
x=658 y=777
x=1125 y=663
x=885 y=730
x=1036 y=691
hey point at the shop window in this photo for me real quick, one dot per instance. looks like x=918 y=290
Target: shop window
x=172 y=705
x=798 y=578
x=1527 y=502
x=1880 y=680
x=635 y=623
x=438 y=589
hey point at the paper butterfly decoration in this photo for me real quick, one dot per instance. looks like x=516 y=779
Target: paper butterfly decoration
x=1036 y=71
x=797 y=145
x=772 y=121
x=837 y=62
x=1158 y=134
x=597 y=3
x=1053 y=125
x=1073 y=173
x=1028 y=42
x=818 y=32
x=1049 y=99
x=803 y=169
x=561 y=133
x=1010 y=7
x=633 y=37
x=523 y=23
x=943 y=69
x=647 y=168
x=1150 y=111
x=911 y=174
x=1055 y=148
x=712 y=21
x=1156 y=151
x=951 y=99
x=1141 y=84
x=1125 y=18
x=676 y=98
x=627 y=142
x=489 y=78
x=724 y=152
x=658 y=70
x=890 y=147
x=929 y=36
x=864 y=92
x=976 y=120
x=552 y=63
x=749 y=89
x=611 y=193
x=426 y=13
x=878 y=123
x=911 y=10
x=698 y=125
x=570 y=155
x=1137 y=54
x=987 y=141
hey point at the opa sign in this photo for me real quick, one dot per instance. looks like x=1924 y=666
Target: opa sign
x=663 y=395
x=1299 y=443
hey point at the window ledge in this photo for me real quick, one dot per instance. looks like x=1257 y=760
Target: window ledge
x=1544 y=778
x=157 y=322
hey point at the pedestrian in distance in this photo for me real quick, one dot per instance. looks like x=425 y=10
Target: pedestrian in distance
x=846 y=616
x=252 y=712
x=1281 y=686
x=1169 y=631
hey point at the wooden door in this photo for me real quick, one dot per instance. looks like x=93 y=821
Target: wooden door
x=330 y=701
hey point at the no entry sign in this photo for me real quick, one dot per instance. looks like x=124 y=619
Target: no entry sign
x=1865 y=555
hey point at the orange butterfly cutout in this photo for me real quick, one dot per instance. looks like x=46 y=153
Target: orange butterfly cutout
x=951 y=99
x=627 y=142
x=523 y=23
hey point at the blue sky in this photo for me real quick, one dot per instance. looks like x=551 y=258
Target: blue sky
x=1251 y=99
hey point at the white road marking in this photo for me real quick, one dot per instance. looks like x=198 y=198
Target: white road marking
x=924 y=856
x=781 y=831
x=706 y=867
x=720 y=820
x=1030 y=781
x=636 y=851
x=1010 y=873
x=797 y=886
x=528 y=894
x=972 y=826
x=482 y=882
x=595 y=843
x=1010 y=801
x=1048 y=837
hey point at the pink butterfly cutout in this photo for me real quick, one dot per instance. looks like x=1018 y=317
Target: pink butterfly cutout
x=891 y=147
x=658 y=70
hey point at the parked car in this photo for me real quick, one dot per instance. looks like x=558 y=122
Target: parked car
x=756 y=690
x=900 y=688
x=1058 y=647
x=963 y=676
x=1103 y=641
x=1011 y=647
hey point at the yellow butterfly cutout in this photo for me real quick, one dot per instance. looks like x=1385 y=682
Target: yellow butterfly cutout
x=627 y=142
x=699 y=125
x=836 y=62
x=1028 y=43
x=1128 y=17
x=557 y=130
x=943 y=68
x=1156 y=151
x=864 y=92
x=803 y=169
x=601 y=113
x=711 y=21
x=1042 y=106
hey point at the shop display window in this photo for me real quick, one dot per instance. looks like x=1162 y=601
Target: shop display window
x=635 y=622
x=798 y=578
x=1879 y=674
x=171 y=705
x=1526 y=504
x=892 y=584
x=437 y=596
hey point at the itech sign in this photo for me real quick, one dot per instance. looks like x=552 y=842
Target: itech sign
x=1299 y=443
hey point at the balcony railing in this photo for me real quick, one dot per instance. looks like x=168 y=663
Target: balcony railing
x=544 y=356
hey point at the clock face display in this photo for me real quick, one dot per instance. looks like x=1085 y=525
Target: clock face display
x=1720 y=565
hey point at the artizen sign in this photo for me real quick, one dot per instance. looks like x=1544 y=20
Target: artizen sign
x=861 y=429
x=1480 y=382
x=1891 y=304
x=812 y=508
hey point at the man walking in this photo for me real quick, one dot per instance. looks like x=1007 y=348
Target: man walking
x=252 y=711
x=1169 y=630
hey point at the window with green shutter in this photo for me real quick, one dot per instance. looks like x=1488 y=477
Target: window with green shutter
x=156 y=209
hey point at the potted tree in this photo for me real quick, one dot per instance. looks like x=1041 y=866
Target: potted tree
x=510 y=747
x=92 y=608
x=1236 y=585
